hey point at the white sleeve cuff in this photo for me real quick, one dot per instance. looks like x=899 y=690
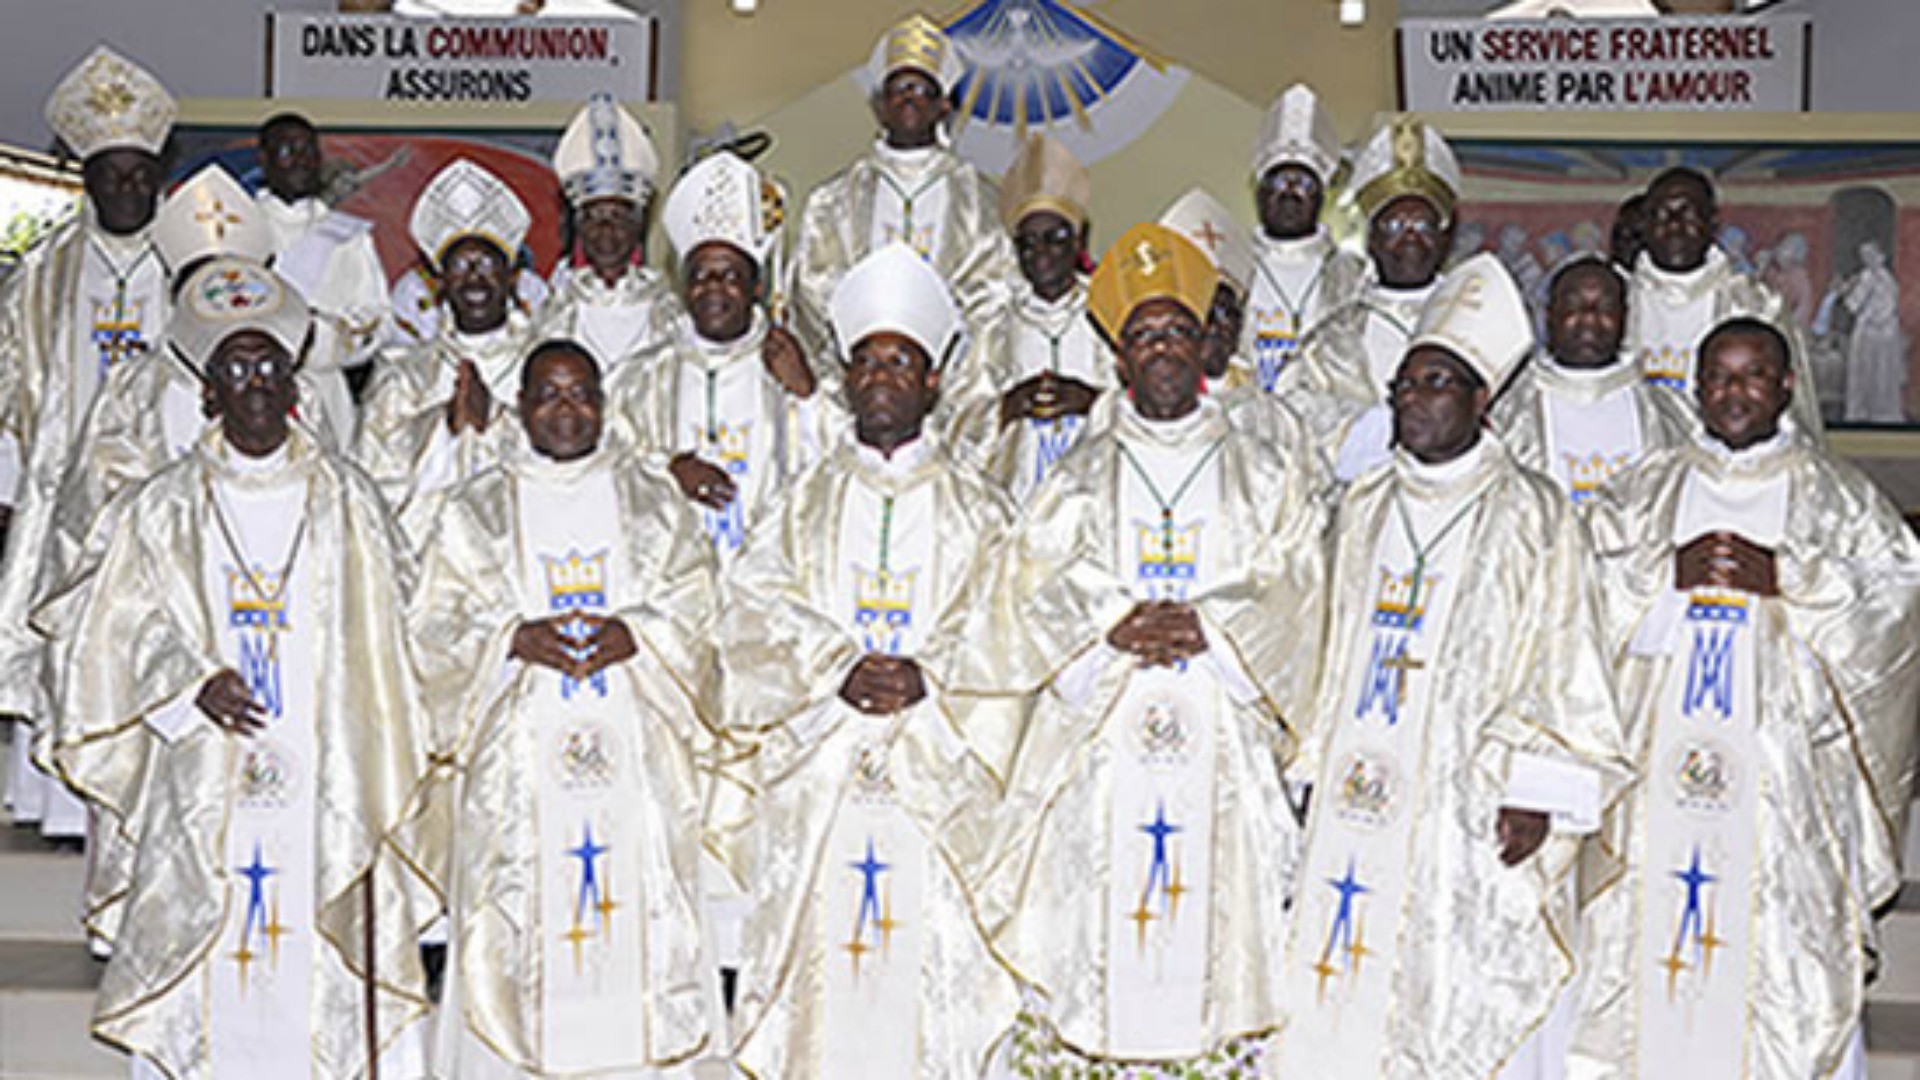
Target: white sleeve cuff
x=1234 y=677
x=1568 y=791
x=1659 y=632
x=176 y=717
x=1075 y=683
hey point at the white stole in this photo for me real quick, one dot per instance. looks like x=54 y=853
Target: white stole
x=887 y=577
x=1590 y=441
x=1353 y=886
x=720 y=415
x=873 y=886
x=910 y=200
x=1702 y=797
x=1051 y=336
x=593 y=818
x=1670 y=313
x=264 y=955
x=1163 y=741
x=122 y=312
x=1286 y=301
x=1391 y=315
x=873 y=895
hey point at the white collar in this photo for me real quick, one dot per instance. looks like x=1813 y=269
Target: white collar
x=1759 y=455
x=1414 y=297
x=1446 y=480
x=909 y=163
x=120 y=252
x=305 y=209
x=1685 y=284
x=906 y=458
x=1315 y=245
x=1071 y=302
x=1204 y=422
x=718 y=352
x=1586 y=382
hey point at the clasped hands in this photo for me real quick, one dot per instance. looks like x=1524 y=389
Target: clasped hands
x=1160 y=633
x=577 y=646
x=1725 y=560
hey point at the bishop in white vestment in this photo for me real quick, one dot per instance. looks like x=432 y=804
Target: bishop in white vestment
x=1301 y=275
x=1407 y=182
x=1045 y=362
x=604 y=295
x=874 y=791
x=909 y=188
x=90 y=295
x=728 y=402
x=1578 y=410
x=1465 y=739
x=1161 y=600
x=234 y=692
x=436 y=413
x=1685 y=285
x=562 y=622
x=1766 y=601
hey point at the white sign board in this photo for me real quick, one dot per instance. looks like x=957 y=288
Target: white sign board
x=1732 y=63
x=472 y=61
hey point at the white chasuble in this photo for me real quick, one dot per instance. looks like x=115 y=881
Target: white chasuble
x=259 y=582
x=1700 y=831
x=1353 y=886
x=1391 y=315
x=1589 y=441
x=593 y=816
x=1049 y=336
x=722 y=414
x=909 y=200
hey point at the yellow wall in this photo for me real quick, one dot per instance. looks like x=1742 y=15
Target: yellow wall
x=741 y=68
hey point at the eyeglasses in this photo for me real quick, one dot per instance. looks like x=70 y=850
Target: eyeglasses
x=239 y=370
x=1057 y=237
x=1427 y=382
x=1396 y=227
x=911 y=89
x=1143 y=337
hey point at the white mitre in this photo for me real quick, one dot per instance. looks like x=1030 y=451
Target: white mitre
x=108 y=102
x=211 y=214
x=606 y=154
x=1478 y=315
x=465 y=200
x=1298 y=131
x=894 y=290
x=725 y=200
x=1208 y=223
x=229 y=295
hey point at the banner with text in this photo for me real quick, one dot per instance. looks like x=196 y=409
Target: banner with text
x=472 y=61
x=1733 y=63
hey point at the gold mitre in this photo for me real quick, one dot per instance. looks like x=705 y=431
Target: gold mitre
x=915 y=42
x=108 y=102
x=1406 y=157
x=1150 y=262
x=1046 y=176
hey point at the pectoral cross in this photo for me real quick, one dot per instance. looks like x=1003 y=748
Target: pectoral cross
x=1402 y=664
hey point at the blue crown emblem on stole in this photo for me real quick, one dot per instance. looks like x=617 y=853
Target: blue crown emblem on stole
x=576 y=582
x=1167 y=558
x=1395 y=607
x=117 y=331
x=1276 y=340
x=247 y=609
x=730 y=445
x=1587 y=474
x=883 y=606
x=1665 y=365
